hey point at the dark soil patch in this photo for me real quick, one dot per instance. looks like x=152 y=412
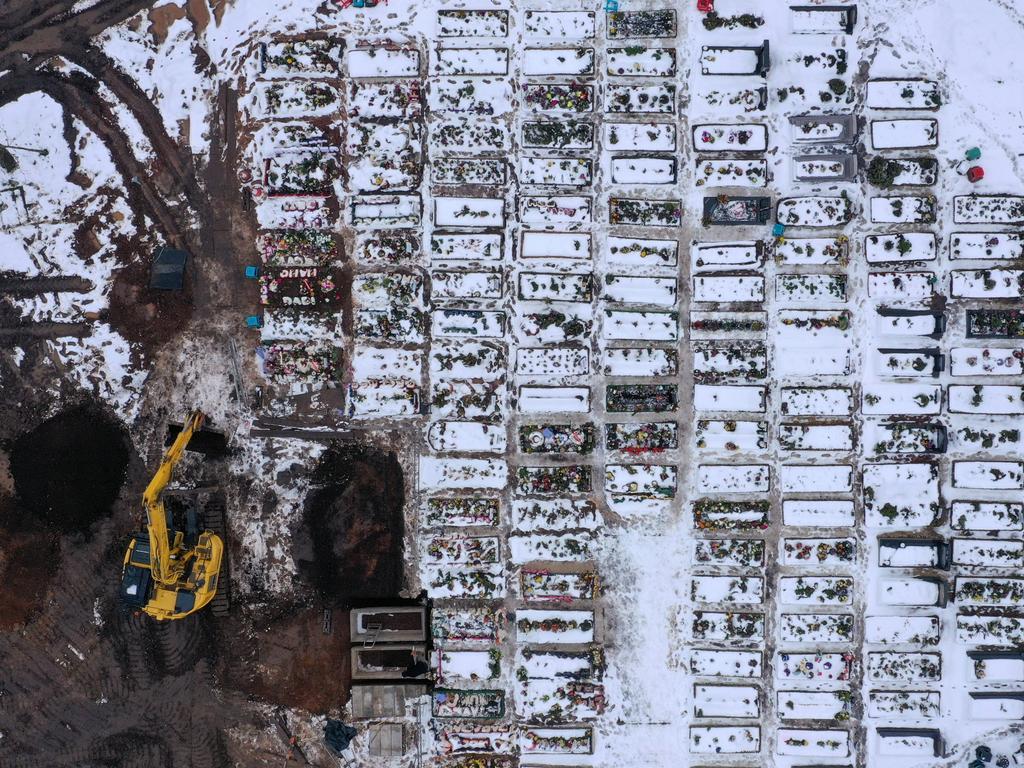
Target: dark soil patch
x=68 y=471
x=29 y=558
x=349 y=545
x=140 y=313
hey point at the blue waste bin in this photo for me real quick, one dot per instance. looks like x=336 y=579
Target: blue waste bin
x=254 y=321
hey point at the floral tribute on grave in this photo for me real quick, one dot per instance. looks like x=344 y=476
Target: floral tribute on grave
x=547 y=586
x=311 y=288
x=301 y=361
x=296 y=248
x=639 y=398
x=556 y=438
x=455 y=512
x=649 y=437
x=475 y=704
x=556 y=480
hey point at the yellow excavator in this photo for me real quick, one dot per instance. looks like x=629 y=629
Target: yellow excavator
x=169 y=573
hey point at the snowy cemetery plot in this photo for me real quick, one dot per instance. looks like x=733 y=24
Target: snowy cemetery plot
x=639 y=437
x=297 y=172
x=730 y=435
x=465 y=285
x=643 y=212
x=908 y=209
x=549 y=286
x=721 y=627
x=468 y=247
x=378 y=398
x=718 y=323
x=724 y=515
x=814 y=667
x=825 y=168
x=996 y=667
x=818 y=513
x=550 y=481
x=734 y=60
x=733 y=478
x=468 y=137
x=976 y=436
x=442 y=473
x=556 y=741
x=629 y=325
x=459 y=512
x=637 y=488
x=465 y=437
x=899 y=247
x=732 y=173
x=465 y=666
x=469 y=212
x=901 y=286
x=544 y=586
x=554 y=326
x=900 y=495
x=558 y=25
x=561 y=134
x=493 y=738
x=640 y=362
x=718 y=254
x=729 y=740
x=384 y=100
x=800 y=251
x=301 y=361
x=884 y=172
x=556 y=627
x=990 y=592
x=466 y=360
x=535 y=400
x=810 y=288
x=989 y=475
x=383 y=156
x=745 y=553
x=907 y=322
x=987 y=283
x=486 y=583
x=986 y=516
x=454 y=399
x=309 y=288
x=624 y=289
x=910 y=667
x=559 y=362
x=576 y=62
x=556 y=245
x=995 y=324
x=568 y=548
x=476 y=96
x=556 y=438
x=742 y=288
x=986 y=361
x=639 y=137
x=748 y=590
x=642 y=24
x=556 y=171
x=815 y=211
x=906 y=437
x=832 y=19
x=816 y=401
x=478 y=704
x=462 y=550
x=729 y=397
x=556 y=99
x=816 y=437
x=820 y=478
x=909 y=743
x=300 y=58
x=814 y=705
x=813 y=743
x=728 y=98
x=383 y=63
x=996 y=706
x=915 y=593
x=638 y=61
x=389 y=307
x=830 y=552
x=717 y=663
x=988 y=209
x=715 y=362
x=477 y=625
x=988 y=553
x=904 y=134
x=990 y=630
x=643 y=170
x=726 y=701
x=986 y=399
x=885 y=94
x=815 y=590
x=554 y=515
x=641 y=99
x=386 y=211
x=285 y=324
x=297 y=212
x=471 y=61
x=634 y=252
x=902 y=630
x=296 y=248
x=745 y=137
x=455 y=170
x=532 y=664
x=816 y=628
x=823 y=129
x=555 y=212
x=472 y=23
x=997 y=246
x=574 y=700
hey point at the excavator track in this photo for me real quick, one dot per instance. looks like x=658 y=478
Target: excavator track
x=215 y=520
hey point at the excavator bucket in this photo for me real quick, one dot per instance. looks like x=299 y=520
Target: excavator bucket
x=208 y=442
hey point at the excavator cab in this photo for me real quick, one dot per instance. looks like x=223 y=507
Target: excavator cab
x=169 y=573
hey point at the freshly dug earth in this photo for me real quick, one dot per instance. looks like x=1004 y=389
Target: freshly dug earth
x=349 y=544
x=68 y=471
x=29 y=556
